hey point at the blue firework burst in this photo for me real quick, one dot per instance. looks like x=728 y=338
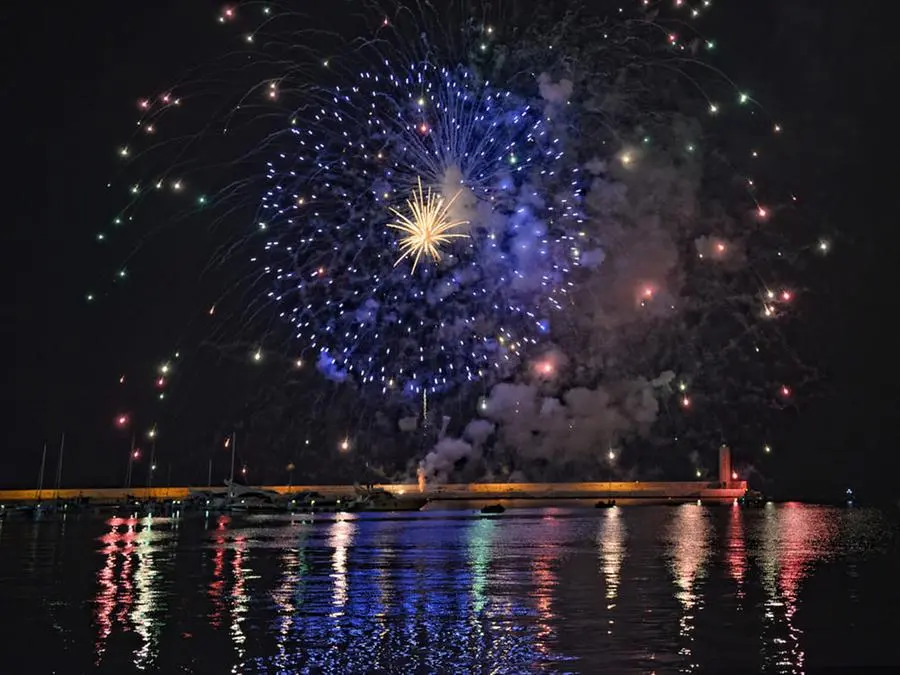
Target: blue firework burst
x=331 y=257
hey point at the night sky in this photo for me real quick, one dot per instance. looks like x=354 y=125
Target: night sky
x=74 y=73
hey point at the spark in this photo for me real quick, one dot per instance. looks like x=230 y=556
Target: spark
x=429 y=226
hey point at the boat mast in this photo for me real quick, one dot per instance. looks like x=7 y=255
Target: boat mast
x=59 y=464
x=41 y=474
x=231 y=481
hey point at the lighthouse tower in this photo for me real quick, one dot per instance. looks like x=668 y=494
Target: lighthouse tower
x=725 y=466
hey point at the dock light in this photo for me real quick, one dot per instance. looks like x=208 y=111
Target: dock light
x=136 y=454
x=122 y=421
x=345 y=445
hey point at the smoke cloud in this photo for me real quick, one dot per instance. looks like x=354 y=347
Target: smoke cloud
x=528 y=433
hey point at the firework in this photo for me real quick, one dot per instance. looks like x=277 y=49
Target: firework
x=427 y=208
x=428 y=228
x=330 y=249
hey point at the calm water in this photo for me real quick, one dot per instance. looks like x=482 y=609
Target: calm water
x=642 y=589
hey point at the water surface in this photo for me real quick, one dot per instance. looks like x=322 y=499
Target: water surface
x=643 y=589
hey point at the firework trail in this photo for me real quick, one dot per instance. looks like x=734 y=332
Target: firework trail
x=596 y=259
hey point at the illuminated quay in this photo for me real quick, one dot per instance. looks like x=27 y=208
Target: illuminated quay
x=724 y=490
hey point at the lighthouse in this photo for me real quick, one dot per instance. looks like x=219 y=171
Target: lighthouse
x=725 y=466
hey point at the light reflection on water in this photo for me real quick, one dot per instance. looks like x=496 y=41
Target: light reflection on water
x=611 y=541
x=689 y=542
x=640 y=589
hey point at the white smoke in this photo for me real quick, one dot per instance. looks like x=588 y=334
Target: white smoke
x=465 y=203
x=439 y=464
x=556 y=93
x=528 y=429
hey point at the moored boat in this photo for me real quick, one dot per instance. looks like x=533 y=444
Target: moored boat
x=379 y=499
x=493 y=509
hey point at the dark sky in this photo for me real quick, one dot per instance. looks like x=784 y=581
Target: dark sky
x=74 y=73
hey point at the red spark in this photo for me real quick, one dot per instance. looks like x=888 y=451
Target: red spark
x=785 y=390
x=545 y=368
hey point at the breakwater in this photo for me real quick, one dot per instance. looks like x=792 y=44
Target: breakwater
x=631 y=490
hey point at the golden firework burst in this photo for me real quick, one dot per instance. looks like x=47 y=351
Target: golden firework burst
x=428 y=227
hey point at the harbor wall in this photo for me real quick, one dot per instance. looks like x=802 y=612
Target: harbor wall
x=716 y=491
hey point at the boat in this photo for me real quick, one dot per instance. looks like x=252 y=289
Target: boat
x=605 y=504
x=379 y=499
x=752 y=499
x=493 y=509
